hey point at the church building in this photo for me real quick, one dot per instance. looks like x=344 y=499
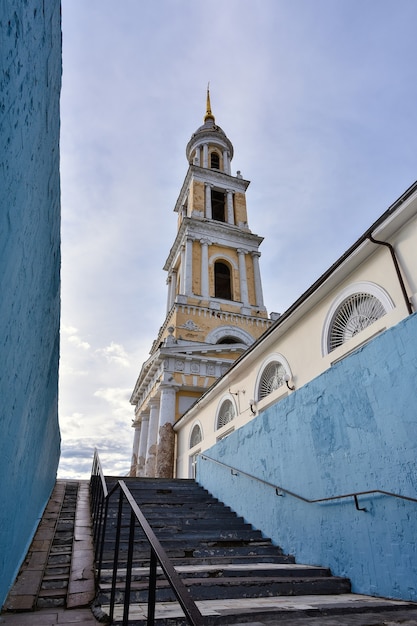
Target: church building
x=215 y=308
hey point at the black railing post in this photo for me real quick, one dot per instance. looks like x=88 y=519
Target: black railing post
x=129 y=568
x=102 y=535
x=152 y=590
x=98 y=519
x=116 y=556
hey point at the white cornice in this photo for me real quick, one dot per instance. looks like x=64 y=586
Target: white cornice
x=220 y=233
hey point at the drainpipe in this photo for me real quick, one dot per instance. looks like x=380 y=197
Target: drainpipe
x=397 y=269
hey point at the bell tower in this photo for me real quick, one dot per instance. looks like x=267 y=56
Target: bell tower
x=215 y=306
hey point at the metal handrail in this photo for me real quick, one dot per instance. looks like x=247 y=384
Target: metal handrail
x=281 y=490
x=157 y=553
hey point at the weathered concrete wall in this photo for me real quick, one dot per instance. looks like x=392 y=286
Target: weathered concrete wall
x=354 y=428
x=30 y=82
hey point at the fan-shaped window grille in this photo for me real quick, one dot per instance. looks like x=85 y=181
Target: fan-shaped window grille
x=355 y=313
x=226 y=413
x=272 y=378
x=196 y=436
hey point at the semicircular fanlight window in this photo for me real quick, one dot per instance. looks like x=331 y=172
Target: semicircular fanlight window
x=355 y=313
x=196 y=436
x=226 y=413
x=272 y=378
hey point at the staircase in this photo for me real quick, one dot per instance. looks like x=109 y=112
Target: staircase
x=235 y=575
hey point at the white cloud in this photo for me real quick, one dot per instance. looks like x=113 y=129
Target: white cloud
x=115 y=353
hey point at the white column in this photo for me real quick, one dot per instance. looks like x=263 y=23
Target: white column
x=230 y=212
x=226 y=162
x=242 y=277
x=173 y=287
x=152 y=438
x=166 y=435
x=143 y=444
x=204 y=268
x=258 y=283
x=169 y=297
x=208 y=201
x=205 y=155
x=188 y=274
x=135 y=452
x=167 y=406
x=182 y=270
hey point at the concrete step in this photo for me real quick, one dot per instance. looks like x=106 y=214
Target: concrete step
x=316 y=610
x=228 y=570
x=233 y=588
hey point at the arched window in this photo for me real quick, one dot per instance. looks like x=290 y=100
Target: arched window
x=226 y=413
x=214 y=161
x=196 y=435
x=272 y=378
x=228 y=339
x=359 y=306
x=222 y=281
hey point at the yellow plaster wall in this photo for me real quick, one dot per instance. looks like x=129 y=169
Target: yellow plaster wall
x=196 y=197
x=240 y=208
x=196 y=256
x=250 y=279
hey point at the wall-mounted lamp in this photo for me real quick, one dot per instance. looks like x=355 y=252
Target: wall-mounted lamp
x=252 y=406
x=287 y=379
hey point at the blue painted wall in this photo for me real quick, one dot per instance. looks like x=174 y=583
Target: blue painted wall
x=30 y=82
x=354 y=428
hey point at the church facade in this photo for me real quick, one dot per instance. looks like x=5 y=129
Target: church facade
x=215 y=308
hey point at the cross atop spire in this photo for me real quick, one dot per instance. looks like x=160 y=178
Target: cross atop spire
x=209 y=115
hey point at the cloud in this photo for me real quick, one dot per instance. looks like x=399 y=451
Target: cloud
x=115 y=353
x=72 y=336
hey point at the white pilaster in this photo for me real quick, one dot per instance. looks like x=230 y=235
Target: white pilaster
x=242 y=277
x=143 y=444
x=230 y=212
x=205 y=155
x=204 y=268
x=174 y=279
x=167 y=406
x=226 y=162
x=188 y=276
x=169 y=296
x=182 y=270
x=152 y=439
x=135 y=452
x=208 y=200
x=258 y=283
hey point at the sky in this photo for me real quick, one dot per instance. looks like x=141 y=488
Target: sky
x=319 y=101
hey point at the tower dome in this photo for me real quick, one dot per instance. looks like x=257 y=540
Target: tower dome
x=210 y=135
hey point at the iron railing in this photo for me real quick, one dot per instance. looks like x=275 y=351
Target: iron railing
x=100 y=497
x=280 y=491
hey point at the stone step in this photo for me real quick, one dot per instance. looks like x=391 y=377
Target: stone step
x=286 y=570
x=247 y=560
x=179 y=549
x=317 y=610
x=233 y=587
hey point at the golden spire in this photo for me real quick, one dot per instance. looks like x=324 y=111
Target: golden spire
x=209 y=115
